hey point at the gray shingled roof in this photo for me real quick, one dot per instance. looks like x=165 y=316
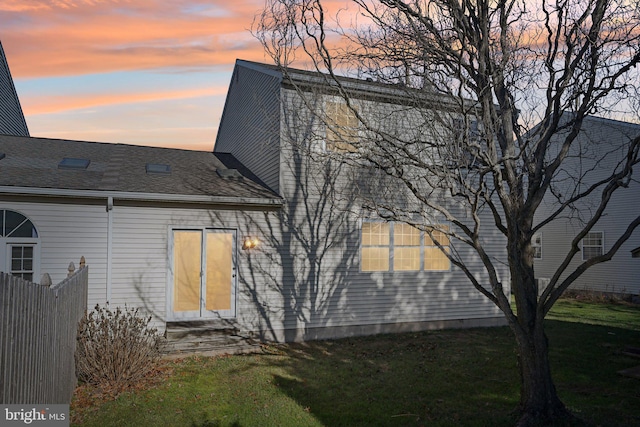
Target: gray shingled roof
x=32 y=163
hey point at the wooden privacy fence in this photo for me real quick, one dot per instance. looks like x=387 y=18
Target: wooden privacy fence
x=38 y=328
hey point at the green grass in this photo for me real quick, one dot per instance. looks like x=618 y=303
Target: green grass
x=441 y=378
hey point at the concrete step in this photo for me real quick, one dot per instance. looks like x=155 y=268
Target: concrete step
x=200 y=337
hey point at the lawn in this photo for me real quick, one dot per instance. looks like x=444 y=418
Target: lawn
x=438 y=378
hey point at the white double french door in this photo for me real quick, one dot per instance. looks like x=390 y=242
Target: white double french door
x=204 y=274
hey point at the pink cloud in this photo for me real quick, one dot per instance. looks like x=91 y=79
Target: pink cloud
x=35 y=105
x=58 y=38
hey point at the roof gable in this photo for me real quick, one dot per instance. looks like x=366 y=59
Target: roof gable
x=12 y=120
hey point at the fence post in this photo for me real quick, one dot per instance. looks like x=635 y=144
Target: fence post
x=46 y=280
x=72 y=268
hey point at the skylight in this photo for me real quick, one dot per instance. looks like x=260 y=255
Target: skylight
x=73 y=163
x=157 y=168
x=229 y=173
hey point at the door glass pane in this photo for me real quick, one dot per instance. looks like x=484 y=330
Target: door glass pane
x=187 y=256
x=219 y=271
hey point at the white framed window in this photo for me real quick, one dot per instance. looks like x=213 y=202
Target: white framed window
x=19 y=245
x=536 y=244
x=395 y=246
x=341 y=127
x=21 y=261
x=592 y=245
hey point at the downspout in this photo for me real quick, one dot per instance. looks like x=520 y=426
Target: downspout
x=109 y=245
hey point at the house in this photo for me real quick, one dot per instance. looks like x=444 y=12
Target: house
x=259 y=234
x=147 y=220
x=341 y=270
x=600 y=146
x=12 y=120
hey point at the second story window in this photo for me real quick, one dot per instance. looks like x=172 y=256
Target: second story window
x=342 y=127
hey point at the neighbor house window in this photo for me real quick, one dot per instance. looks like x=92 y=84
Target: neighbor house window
x=375 y=246
x=18 y=245
x=22 y=257
x=536 y=244
x=592 y=245
x=342 y=127
x=409 y=248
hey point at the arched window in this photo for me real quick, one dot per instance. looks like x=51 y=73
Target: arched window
x=18 y=245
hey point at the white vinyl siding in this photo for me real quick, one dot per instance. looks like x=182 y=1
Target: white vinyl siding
x=249 y=127
x=67 y=232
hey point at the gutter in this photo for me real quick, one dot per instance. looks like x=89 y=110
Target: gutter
x=109 y=246
x=148 y=197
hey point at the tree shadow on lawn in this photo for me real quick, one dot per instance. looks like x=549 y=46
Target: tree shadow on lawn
x=454 y=377
x=431 y=378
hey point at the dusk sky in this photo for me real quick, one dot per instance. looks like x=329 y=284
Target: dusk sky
x=149 y=72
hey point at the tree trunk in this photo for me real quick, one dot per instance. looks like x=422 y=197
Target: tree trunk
x=539 y=401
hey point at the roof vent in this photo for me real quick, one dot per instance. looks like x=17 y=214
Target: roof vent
x=74 y=163
x=157 y=168
x=2 y=156
x=229 y=173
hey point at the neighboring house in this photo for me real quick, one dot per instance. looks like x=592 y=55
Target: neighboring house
x=12 y=120
x=156 y=226
x=259 y=234
x=601 y=144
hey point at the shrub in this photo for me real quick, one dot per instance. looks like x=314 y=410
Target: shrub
x=116 y=349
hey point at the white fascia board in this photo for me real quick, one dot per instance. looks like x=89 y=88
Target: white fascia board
x=147 y=197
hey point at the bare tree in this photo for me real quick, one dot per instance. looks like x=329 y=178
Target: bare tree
x=495 y=95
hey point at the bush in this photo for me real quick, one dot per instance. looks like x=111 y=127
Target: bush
x=116 y=349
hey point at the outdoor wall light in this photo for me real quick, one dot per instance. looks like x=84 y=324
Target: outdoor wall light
x=250 y=243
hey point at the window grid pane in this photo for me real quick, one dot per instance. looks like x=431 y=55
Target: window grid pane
x=375 y=246
x=441 y=237
x=406 y=259
x=375 y=259
x=22 y=261
x=375 y=234
x=406 y=235
x=435 y=260
x=406 y=252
